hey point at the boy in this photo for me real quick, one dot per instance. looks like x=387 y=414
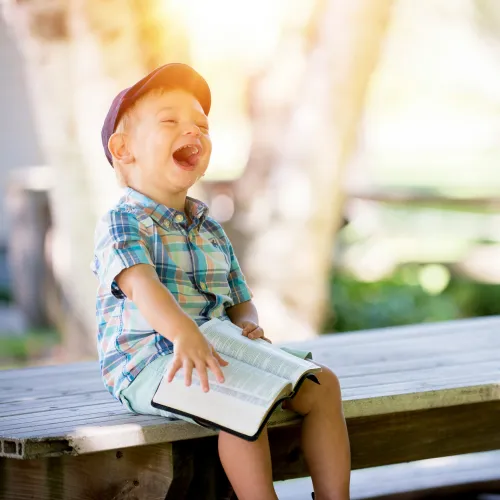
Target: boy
x=165 y=267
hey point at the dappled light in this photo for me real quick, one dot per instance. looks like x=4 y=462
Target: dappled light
x=341 y=160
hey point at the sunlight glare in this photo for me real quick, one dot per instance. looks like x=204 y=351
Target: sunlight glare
x=221 y=29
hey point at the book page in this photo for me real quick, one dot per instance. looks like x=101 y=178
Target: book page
x=243 y=382
x=228 y=340
x=241 y=415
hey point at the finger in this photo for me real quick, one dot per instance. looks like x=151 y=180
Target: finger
x=201 y=368
x=188 y=372
x=220 y=360
x=246 y=330
x=249 y=329
x=215 y=367
x=257 y=333
x=176 y=365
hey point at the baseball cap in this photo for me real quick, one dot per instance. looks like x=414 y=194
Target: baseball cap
x=176 y=74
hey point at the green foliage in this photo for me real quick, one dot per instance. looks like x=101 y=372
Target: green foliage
x=400 y=300
x=21 y=350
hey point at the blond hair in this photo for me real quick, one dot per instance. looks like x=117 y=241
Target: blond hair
x=124 y=123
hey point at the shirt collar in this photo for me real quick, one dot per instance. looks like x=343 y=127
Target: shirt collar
x=196 y=209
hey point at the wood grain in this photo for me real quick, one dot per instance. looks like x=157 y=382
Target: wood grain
x=409 y=393
x=128 y=474
x=401 y=437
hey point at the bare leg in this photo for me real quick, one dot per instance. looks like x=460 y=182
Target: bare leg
x=248 y=466
x=325 y=442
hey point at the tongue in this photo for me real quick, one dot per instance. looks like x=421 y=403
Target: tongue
x=192 y=159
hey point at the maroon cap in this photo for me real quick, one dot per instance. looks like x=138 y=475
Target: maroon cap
x=174 y=74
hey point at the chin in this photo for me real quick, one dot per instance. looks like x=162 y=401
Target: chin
x=179 y=185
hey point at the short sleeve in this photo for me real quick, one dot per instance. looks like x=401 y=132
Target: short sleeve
x=240 y=292
x=120 y=243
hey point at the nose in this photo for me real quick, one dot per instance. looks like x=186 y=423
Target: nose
x=192 y=129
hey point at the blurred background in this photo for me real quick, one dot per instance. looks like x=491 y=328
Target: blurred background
x=355 y=164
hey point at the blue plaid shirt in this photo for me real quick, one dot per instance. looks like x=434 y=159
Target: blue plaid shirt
x=194 y=261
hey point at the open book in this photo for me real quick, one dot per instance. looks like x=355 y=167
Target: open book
x=258 y=378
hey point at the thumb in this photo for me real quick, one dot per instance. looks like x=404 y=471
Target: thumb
x=250 y=327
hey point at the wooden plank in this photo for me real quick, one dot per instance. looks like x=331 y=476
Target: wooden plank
x=405 y=365
x=41 y=388
x=420 y=480
x=326 y=351
x=389 y=335
x=35 y=372
x=130 y=430
x=81 y=416
x=440 y=476
x=487 y=380
x=412 y=332
x=437 y=374
x=432 y=382
x=26 y=391
x=102 y=396
x=49 y=404
x=75 y=416
x=104 y=407
x=449 y=374
x=78 y=425
x=52 y=392
x=394 y=402
x=91 y=439
x=140 y=472
x=402 y=437
x=421 y=394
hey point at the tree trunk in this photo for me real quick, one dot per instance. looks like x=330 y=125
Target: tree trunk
x=289 y=200
x=79 y=54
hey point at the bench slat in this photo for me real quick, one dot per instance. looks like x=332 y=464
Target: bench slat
x=413 y=332
x=49 y=404
x=374 y=386
x=403 y=365
x=381 y=372
x=71 y=369
x=400 y=349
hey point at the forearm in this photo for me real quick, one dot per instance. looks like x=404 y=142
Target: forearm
x=160 y=309
x=246 y=311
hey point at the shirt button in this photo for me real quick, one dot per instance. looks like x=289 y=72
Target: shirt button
x=203 y=286
x=179 y=218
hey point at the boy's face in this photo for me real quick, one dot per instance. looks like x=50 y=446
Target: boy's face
x=169 y=140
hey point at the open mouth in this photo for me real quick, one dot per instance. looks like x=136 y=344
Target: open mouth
x=187 y=156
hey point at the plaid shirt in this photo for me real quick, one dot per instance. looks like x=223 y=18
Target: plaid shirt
x=196 y=263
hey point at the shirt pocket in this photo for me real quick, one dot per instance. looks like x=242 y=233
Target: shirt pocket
x=217 y=267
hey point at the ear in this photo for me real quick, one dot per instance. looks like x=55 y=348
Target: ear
x=118 y=147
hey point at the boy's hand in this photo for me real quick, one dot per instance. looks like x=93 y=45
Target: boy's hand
x=252 y=330
x=192 y=350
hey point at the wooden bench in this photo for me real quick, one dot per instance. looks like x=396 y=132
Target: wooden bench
x=409 y=393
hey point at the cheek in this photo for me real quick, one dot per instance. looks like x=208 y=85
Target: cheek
x=207 y=146
x=162 y=143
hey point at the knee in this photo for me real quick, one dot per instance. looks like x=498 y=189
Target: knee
x=311 y=395
x=330 y=384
